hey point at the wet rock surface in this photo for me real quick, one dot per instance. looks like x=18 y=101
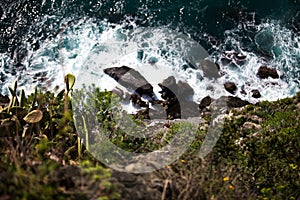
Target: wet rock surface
x=266 y=72
x=230 y=87
x=256 y=94
x=131 y=79
x=206 y=101
x=210 y=69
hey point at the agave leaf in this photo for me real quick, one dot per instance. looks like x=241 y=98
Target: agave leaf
x=70 y=80
x=60 y=95
x=13 y=93
x=15 y=86
x=34 y=116
x=23 y=99
x=1 y=109
x=34 y=97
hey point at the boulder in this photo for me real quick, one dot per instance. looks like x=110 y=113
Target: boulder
x=256 y=94
x=137 y=101
x=130 y=79
x=185 y=91
x=265 y=72
x=172 y=108
x=169 y=87
x=168 y=93
x=178 y=95
x=210 y=69
x=230 y=87
x=206 y=101
x=236 y=102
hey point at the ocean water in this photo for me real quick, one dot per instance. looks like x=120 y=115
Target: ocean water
x=41 y=41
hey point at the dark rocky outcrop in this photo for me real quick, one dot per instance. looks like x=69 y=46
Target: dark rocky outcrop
x=256 y=94
x=233 y=56
x=137 y=101
x=210 y=69
x=169 y=88
x=235 y=102
x=178 y=99
x=4 y=100
x=131 y=79
x=206 y=101
x=230 y=87
x=265 y=72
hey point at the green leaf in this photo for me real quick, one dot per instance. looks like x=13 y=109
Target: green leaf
x=23 y=99
x=70 y=81
x=13 y=93
x=34 y=116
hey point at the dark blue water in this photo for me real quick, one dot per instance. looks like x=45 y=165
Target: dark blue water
x=265 y=29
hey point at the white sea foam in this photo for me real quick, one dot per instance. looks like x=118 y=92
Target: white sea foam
x=86 y=48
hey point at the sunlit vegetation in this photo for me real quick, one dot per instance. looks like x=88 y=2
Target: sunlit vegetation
x=43 y=157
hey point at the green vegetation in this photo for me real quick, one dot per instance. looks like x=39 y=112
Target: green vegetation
x=42 y=157
x=40 y=154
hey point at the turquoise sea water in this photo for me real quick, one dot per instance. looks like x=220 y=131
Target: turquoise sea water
x=37 y=38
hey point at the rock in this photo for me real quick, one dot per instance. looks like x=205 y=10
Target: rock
x=210 y=69
x=131 y=79
x=256 y=94
x=230 y=87
x=178 y=95
x=265 y=72
x=169 y=87
x=189 y=109
x=120 y=93
x=230 y=56
x=185 y=91
x=206 y=101
x=173 y=109
x=4 y=100
x=168 y=93
x=265 y=41
x=137 y=101
x=235 y=102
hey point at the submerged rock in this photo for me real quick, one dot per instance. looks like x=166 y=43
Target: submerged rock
x=265 y=72
x=131 y=79
x=265 y=41
x=210 y=69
